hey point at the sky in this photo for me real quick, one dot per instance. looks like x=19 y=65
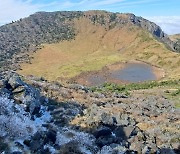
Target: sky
x=165 y=13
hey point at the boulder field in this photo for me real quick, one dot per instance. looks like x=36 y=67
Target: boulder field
x=37 y=116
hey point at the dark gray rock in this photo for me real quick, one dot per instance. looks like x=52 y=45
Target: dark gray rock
x=128 y=131
x=4 y=147
x=17 y=152
x=36 y=145
x=119 y=133
x=105 y=131
x=167 y=151
x=105 y=140
x=21 y=92
x=15 y=81
x=37 y=141
x=51 y=136
x=65 y=112
x=70 y=148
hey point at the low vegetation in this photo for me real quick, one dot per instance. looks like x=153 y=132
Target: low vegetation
x=170 y=88
x=138 y=86
x=175 y=96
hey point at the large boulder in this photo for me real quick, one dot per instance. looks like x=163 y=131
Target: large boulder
x=22 y=93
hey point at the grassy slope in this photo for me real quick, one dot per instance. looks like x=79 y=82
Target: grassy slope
x=95 y=47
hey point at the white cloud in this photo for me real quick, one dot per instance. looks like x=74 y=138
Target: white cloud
x=107 y=2
x=11 y=10
x=15 y=9
x=169 y=24
x=135 y=3
x=84 y=4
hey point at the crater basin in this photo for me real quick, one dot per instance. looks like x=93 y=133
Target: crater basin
x=130 y=72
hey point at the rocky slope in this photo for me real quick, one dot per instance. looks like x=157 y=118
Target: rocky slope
x=175 y=38
x=39 y=116
x=25 y=35
x=44 y=117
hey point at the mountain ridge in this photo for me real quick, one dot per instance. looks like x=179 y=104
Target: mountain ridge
x=49 y=27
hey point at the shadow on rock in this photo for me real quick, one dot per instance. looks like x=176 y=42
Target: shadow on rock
x=117 y=134
x=64 y=112
x=72 y=128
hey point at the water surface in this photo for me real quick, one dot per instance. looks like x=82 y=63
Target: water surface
x=134 y=72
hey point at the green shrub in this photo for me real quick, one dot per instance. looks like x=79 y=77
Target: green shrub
x=175 y=93
x=136 y=86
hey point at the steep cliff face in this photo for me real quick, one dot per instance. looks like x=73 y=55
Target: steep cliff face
x=155 y=30
x=45 y=27
x=115 y=19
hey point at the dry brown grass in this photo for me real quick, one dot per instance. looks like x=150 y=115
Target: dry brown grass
x=95 y=47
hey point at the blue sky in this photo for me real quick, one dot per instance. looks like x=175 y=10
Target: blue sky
x=165 y=13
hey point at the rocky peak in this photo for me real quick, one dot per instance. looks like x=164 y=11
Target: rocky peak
x=155 y=30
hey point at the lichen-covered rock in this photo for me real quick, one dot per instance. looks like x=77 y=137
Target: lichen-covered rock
x=14 y=81
x=22 y=93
